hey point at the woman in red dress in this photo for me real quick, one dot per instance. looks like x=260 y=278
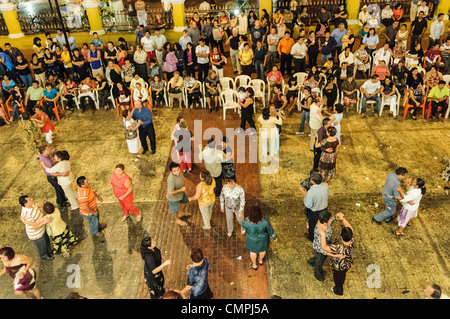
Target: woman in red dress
x=123 y=190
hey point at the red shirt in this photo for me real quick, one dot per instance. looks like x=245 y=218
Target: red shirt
x=48 y=125
x=216 y=57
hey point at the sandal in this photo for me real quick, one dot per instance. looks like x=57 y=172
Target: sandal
x=66 y=254
x=261 y=262
x=124 y=218
x=207 y=229
x=396 y=233
x=182 y=223
x=254 y=268
x=138 y=219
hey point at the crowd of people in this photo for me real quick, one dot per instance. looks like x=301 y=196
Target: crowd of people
x=135 y=79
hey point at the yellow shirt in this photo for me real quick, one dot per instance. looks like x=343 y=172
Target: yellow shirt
x=57 y=225
x=246 y=57
x=207 y=196
x=65 y=56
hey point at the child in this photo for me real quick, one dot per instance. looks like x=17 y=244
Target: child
x=242 y=94
x=328 y=65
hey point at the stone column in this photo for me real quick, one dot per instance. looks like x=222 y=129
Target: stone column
x=9 y=11
x=93 y=13
x=179 y=16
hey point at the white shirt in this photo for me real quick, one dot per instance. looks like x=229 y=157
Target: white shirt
x=242 y=24
x=371 y=87
x=315 y=121
x=386 y=14
x=32 y=215
x=166 y=4
x=213 y=160
x=62 y=167
x=423 y=9
x=299 y=48
x=137 y=93
x=350 y=59
x=381 y=54
x=203 y=50
x=184 y=41
x=147 y=44
x=363 y=17
x=437 y=29
x=204 y=6
x=413 y=195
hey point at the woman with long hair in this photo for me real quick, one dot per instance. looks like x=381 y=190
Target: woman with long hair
x=154 y=277
x=259 y=231
x=410 y=202
x=327 y=163
x=62 y=171
x=38 y=48
x=204 y=194
x=38 y=68
x=247 y=110
x=190 y=59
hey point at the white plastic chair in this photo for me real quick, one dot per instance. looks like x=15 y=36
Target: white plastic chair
x=259 y=87
x=358 y=99
x=383 y=102
x=227 y=83
x=242 y=80
x=446 y=78
x=367 y=102
x=229 y=101
x=301 y=76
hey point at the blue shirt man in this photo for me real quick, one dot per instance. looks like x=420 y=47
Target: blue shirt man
x=338 y=34
x=7 y=61
x=143 y=116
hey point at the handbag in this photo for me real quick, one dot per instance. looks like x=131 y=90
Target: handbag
x=228 y=170
x=129 y=134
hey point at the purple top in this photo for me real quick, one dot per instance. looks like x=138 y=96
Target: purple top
x=47 y=161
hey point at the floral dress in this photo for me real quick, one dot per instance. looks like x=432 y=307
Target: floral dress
x=327 y=164
x=33 y=134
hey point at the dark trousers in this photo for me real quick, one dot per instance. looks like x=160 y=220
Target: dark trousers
x=141 y=69
x=43 y=246
x=312 y=217
x=86 y=102
x=203 y=69
x=435 y=105
x=190 y=69
x=312 y=59
x=317 y=153
x=48 y=108
x=60 y=197
x=218 y=181
x=247 y=117
x=414 y=39
x=317 y=261
x=30 y=106
x=144 y=131
x=285 y=63
x=299 y=65
x=339 y=279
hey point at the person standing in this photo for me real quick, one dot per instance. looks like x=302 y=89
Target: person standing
x=197 y=278
x=315 y=120
x=141 y=13
x=87 y=199
x=44 y=151
x=33 y=217
x=62 y=237
x=410 y=203
x=176 y=191
x=315 y=201
x=323 y=224
x=122 y=186
x=233 y=41
x=327 y=46
x=284 y=50
x=298 y=53
x=247 y=110
x=343 y=248
x=202 y=52
x=327 y=163
x=337 y=35
x=19 y=268
x=143 y=116
x=95 y=60
x=390 y=194
x=158 y=43
x=322 y=134
x=154 y=277
x=272 y=42
x=260 y=55
x=213 y=163
x=204 y=193
x=259 y=230
x=64 y=175
x=232 y=203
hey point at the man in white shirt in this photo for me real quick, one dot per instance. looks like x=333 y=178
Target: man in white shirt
x=413 y=12
x=33 y=218
x=298 y=53
x=315 y=120
x=436 y=31
x=384 y=54
x=202 y=52
x=213 y=163
x=363 y=16
x=423 y=8
x=243 y=23
x=184 y=40
x=204 y=6
x=445 y=54
x=370 y=90
x=386 y=15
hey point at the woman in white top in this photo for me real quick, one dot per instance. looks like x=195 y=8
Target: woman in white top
x=65 y=177
x=132 y=134
x=402 y=35
x=268 y=131
x=140 y=93
x=410 y=203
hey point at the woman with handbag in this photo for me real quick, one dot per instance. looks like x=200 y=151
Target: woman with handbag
x=131 y=134
x=228 y=167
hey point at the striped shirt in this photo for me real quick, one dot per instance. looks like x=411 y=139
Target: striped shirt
x=32 y=215
x=86 y=196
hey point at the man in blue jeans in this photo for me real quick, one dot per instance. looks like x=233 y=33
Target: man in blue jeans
x=370 y=90
x=390 y=194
